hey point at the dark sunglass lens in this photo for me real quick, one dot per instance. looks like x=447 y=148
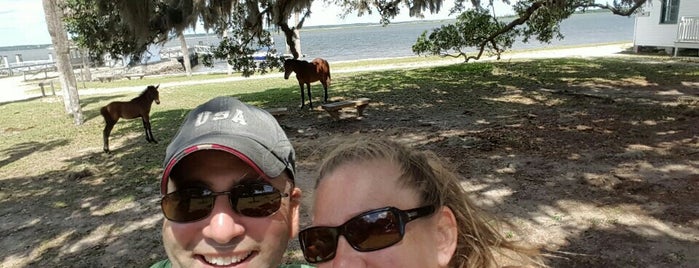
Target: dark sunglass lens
x=373 y=231
x=256 y=200
x=186 y=205
x=318 y=244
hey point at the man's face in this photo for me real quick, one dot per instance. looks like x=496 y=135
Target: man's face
x=226 y=238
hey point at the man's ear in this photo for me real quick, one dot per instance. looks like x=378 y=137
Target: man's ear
x=447 y=235
x=294 y=205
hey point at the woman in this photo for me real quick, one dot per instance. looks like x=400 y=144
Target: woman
x=379 y=203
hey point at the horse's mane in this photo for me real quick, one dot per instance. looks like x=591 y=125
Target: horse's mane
x=143 y=93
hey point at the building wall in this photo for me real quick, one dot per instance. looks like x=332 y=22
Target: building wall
x=648 y=30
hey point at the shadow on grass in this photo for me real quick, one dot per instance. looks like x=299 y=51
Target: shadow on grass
x=95 y=213
x=21 y=150
x=633 y=250
x=19 y=101
x=600 y=137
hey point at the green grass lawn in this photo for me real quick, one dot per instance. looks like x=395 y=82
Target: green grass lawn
x=96 y=202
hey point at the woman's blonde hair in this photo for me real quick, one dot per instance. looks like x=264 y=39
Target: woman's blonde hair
x=478 y=240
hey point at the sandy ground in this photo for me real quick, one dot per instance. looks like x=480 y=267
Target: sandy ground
x=16 y=88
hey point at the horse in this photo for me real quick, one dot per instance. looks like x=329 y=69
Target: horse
x=136 y=107
x=307 y=73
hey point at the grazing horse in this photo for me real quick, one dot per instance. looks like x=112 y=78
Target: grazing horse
x=137 y=107
x=307 y=73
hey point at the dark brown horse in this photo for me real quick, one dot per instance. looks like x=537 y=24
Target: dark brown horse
x=307 y=73
x=137 y=107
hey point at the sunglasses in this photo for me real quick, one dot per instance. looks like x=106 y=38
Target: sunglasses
x=372 y=230
x=248 y=199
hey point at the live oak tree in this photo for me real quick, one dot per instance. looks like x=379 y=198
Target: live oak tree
x=128 y=27
x=479 y=28
x=59 y=39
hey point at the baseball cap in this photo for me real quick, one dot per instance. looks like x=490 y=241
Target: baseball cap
x=225 y=123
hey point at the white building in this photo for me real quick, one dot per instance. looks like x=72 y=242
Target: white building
x=672 y=25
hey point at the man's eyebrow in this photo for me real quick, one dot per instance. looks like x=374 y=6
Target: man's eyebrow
x=191 y=184
x=250 y=177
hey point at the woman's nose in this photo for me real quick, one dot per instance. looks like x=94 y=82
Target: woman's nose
x=346 y=256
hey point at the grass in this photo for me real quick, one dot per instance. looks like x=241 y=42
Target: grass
x=36 y=127
x=156 y=79
x=60 y=167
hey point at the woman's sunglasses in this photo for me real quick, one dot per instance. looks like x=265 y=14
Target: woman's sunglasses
x=372 y=230
x=248 y=199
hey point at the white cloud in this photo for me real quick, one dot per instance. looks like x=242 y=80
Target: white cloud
x=22 y=23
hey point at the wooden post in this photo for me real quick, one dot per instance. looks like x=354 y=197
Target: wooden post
x=41 y=85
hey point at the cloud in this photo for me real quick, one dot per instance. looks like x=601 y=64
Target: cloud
x=23 y=23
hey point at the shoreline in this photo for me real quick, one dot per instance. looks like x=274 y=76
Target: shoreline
x=15 y=88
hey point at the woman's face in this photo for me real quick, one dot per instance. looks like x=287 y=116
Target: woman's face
x=357 y=187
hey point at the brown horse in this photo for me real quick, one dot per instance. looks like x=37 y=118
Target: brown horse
x=137 y=107
x=307 y=73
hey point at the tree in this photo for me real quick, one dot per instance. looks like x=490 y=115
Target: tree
x=59 y=38
x=127 y=27
x=479 y=28
x=186 y=61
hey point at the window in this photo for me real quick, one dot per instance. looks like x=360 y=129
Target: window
x=669 y=11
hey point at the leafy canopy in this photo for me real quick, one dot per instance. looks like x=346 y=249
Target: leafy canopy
x=128 y=27
x=479 y=28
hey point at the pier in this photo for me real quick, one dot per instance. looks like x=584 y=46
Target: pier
x=176 y=52
x=30 y=68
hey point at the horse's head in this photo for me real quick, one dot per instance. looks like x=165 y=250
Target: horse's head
x=153 y=94
x=288 y=68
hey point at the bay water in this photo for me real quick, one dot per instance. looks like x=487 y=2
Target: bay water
x=368 y=41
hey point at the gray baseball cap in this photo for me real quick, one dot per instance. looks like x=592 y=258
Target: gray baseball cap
x=225 y=123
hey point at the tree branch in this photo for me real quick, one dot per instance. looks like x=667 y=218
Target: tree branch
x=523 y=18
x=617 y=11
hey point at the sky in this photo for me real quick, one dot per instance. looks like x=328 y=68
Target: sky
x=22 y=22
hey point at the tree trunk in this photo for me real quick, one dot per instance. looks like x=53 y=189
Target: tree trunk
x=87 y=75
x=59 y=38
x=293 y=38
x=185 y=55
x=297 y=34
x=229 y=67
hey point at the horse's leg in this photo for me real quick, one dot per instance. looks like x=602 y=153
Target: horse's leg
x=152 y=138
x=303 y=101
x=325 y=89
x=149 y=132
x=105 y=133
x=310 y=99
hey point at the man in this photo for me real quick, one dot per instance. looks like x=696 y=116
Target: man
x=229 y=197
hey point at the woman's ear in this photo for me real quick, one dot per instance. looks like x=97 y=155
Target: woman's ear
x=447 y=235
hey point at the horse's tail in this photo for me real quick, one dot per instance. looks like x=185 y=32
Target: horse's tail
x=329 y=78
x=105 y=113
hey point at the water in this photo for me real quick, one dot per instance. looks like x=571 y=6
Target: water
x=344 y=43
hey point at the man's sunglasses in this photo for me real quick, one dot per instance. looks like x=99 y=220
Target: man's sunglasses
x=247 y=199
x=372 y=230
